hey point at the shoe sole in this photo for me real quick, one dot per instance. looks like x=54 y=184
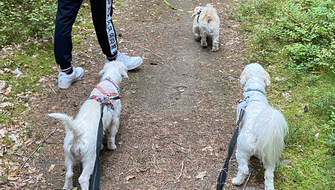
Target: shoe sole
x=134 y=67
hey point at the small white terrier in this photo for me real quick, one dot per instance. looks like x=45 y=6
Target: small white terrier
x=206 y=23
x=81 y=133
x=263 y=127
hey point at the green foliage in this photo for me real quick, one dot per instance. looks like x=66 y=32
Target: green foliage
x=20 y=19
x=6 y=140
x=296 y=37
x=302 y=32
x=309 y=151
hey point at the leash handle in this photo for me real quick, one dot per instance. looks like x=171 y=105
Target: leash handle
x=223 y=174
x=95 y=183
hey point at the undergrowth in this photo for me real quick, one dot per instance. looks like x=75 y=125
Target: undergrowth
x=31 y=55
x=295 y=39
x=21 y=19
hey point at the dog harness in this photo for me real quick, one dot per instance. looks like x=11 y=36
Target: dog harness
x=107 y=98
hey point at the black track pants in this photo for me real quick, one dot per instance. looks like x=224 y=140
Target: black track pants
x=102 y=19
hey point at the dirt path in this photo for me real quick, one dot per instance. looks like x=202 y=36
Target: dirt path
x=178 y=108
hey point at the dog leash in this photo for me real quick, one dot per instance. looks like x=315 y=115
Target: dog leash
x=172 y=7
x=95 y=183
x=104 y=100
x=223 y=174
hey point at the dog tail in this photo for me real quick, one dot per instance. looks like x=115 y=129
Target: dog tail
x=271 y=128
x=67 y=121
x=209 y=14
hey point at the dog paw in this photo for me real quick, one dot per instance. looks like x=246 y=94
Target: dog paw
x=197 y=37
x=237 y=181
x=111 y=146
x=204 y=45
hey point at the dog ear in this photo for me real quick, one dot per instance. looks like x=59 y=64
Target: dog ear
x=197 y=9
x=266 y=78
x=243 y=78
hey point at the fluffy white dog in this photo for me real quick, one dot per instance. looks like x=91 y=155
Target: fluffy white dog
x=206 y=23
x=263 y=127
x=81 y=133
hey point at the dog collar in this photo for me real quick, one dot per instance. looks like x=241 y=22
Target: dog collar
x=249 y=90
x=114 y=83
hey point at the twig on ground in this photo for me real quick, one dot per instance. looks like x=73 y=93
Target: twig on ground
x=178 y=144
x=246 y=182
x=181 y=170
x=149 y=51
x=44 y=140
x=52 y=89
x=147 y=41
x=165 y=184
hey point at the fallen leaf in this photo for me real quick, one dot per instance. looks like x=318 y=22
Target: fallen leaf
x=12 y=178
x=7 y=91
x=2 y=85
x=5 y=104
x=159 y=171
x=138 y=170
x=51 y=167
x=17 y=72
x=130 y=177
x=208 y=148
x=201 y=175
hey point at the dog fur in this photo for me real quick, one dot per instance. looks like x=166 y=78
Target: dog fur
x=263 y=127
x=81 y=133
x=206 y=24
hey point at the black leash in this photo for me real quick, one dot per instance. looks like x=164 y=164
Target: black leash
x=95 y=183
x=223 y=174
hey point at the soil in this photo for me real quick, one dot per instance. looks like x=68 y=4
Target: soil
x=178 y=107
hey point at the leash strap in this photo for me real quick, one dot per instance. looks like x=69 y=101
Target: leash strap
x=95 y=183
x=223 y=174
x=172 y=7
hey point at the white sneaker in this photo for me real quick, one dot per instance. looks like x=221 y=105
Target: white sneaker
x=65 y=80
x=129 y=62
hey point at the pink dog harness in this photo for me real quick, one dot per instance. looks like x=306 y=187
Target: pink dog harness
x=107 y=98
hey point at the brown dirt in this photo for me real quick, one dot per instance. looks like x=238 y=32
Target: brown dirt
x=179 y=102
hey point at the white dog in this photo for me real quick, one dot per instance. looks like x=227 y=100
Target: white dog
x=263 y=127
x=81 y=133
x=206 y=23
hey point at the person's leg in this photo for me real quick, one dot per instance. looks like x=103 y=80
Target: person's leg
x=102 y=11
x=66 y=14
